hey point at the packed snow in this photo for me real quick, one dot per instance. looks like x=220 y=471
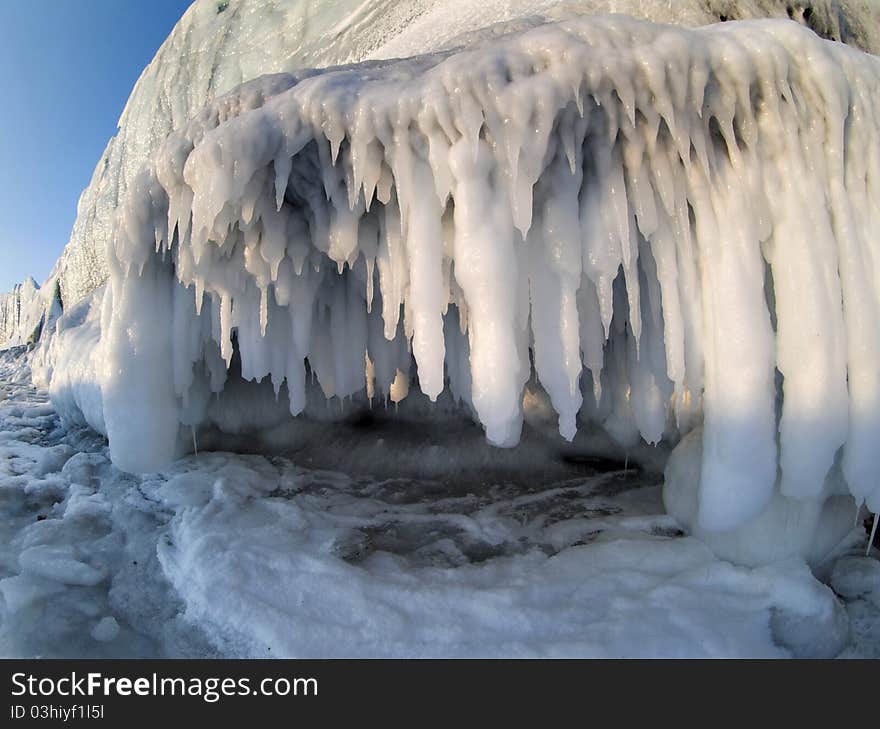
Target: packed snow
x=236 y=555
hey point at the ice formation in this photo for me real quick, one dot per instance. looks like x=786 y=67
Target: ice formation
x=646 y=229
x=665 y=227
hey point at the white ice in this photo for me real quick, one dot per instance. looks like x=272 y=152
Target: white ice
x=669 y=220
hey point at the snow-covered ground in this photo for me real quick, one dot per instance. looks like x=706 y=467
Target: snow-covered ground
x=241 y=555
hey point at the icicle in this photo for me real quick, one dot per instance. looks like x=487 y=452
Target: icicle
x=424 y=244
x=487 y=276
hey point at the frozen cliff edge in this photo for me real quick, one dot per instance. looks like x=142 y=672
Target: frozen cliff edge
x=629 y=213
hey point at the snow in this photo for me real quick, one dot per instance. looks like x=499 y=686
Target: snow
x=236 y=555
x=74 y=552
x=625 y=594
x=106 y=629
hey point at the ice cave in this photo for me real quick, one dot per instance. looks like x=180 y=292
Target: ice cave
x=624 y=214
x=417 y=241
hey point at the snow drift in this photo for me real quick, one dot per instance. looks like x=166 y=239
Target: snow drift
x=664 y=227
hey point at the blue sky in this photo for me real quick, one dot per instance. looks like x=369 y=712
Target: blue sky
x=66 y=70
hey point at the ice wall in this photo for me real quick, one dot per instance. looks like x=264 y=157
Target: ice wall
x=666 y=227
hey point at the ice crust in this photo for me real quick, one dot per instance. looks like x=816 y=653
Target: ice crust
x=632 y=212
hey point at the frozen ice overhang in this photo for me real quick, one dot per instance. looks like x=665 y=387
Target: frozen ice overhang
x=216 y=46
x=666 y=227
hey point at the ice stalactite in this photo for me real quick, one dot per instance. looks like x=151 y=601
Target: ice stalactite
x=667 y=227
